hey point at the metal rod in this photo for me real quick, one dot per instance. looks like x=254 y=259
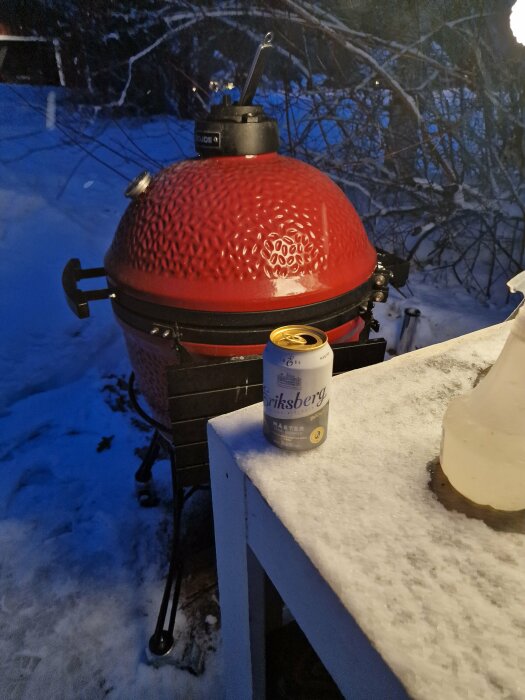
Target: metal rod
x=256 y=69
x=162 y=640
x=142 y=413
x=143 y=473
x=407 y=336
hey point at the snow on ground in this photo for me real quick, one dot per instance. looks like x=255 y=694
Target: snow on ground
x=82 y=566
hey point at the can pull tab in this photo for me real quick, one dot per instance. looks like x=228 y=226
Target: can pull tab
x=256 y=69
x=295 y=339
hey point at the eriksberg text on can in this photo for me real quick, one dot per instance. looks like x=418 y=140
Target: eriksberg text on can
x=297 y=373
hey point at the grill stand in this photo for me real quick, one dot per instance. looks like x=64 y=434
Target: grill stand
x=162 y=640
x=143 y=476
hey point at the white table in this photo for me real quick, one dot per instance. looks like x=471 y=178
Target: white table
x=398 y=596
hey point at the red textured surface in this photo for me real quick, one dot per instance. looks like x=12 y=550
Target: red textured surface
x=348 y=332
x=150 y=359
x=240 y=234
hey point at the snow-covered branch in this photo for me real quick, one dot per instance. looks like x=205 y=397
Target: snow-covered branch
x=366 y=57
x=425 y=130
x=144 y=52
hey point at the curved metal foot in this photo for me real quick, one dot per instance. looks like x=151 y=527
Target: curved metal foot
x=161 y=644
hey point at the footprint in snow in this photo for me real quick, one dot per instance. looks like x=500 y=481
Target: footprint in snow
x=39 y=493
x=32 y=477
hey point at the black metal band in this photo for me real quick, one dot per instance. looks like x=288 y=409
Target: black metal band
x=236 y=328
x=236 y=130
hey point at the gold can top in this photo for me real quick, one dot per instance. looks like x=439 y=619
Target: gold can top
x=298 y=338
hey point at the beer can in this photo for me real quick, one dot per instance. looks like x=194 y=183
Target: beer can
x=297 y=374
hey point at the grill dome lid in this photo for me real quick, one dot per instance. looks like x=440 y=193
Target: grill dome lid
x=240 y=234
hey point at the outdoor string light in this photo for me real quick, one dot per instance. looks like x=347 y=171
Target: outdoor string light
x=517 y=21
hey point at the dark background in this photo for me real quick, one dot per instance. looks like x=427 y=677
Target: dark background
x=415 y=107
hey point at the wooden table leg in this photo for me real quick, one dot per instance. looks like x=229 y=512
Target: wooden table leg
x=241 y=580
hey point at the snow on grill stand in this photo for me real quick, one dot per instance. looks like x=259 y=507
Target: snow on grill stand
x=210 y=256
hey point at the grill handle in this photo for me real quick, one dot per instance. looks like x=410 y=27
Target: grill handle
x=256 y=69
x=76 y=298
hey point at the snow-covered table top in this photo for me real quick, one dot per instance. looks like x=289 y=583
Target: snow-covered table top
x=439 y=595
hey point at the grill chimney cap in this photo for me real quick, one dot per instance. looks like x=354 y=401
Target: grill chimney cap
x=236 y=130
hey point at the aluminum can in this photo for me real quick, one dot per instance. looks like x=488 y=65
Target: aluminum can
x=297 y=374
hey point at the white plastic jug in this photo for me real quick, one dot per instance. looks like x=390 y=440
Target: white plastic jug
x=483 y=441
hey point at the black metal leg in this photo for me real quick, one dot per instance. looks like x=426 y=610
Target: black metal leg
x=162 y=640
x=143 y=476
x=143 y=473
x=145 y=487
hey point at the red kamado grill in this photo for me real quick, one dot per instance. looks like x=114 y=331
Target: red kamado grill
x=215 y=252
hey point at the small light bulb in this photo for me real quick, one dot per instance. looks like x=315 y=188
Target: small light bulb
x=517 y=21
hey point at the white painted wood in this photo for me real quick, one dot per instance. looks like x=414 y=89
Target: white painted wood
x=439 y=596
x=241 y=580
x=356 y=667
x=247 y=532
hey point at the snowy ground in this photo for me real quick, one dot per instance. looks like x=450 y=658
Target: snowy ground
x=82 y=566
